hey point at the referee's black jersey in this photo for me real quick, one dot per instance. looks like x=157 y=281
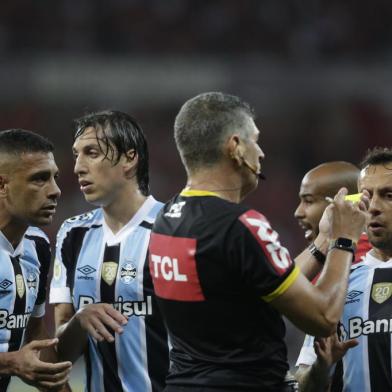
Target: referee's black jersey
x=216 y=265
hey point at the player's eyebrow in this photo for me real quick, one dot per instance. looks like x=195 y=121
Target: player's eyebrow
x=42 y=174
x=86 y=146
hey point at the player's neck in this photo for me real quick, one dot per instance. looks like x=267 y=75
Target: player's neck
x=382 y=254
x=118 y=213
x=12 y=231
x=216 y=180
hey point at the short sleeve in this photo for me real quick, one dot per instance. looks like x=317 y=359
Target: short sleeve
x=307 y=355
x=59 y=289
x=42 y=248
x=264 y=264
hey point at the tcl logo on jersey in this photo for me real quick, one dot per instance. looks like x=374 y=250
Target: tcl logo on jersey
x=168 y=268
x=173 y=268
x=277 y=255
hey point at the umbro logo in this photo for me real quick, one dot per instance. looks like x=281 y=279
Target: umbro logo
x=353 y=293
x=5 y=284
x=86 y=270
x=352 y=296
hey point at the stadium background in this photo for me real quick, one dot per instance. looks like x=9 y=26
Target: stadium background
x=317 y=72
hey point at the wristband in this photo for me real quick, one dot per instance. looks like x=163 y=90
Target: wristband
x=317 y=254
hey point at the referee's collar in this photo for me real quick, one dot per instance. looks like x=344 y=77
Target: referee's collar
x=197 y=192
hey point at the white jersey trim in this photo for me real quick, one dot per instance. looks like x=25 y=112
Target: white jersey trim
x=307 y=355
x=142 y=214
x=60 y=295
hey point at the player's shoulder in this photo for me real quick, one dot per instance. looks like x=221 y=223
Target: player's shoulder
x=86 y=220
x=153 y=208
x=36 y=233
x=83 y=222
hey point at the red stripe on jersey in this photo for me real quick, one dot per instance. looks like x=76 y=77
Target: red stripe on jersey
x=173 y=268
x=363 y=246
x=276 y=254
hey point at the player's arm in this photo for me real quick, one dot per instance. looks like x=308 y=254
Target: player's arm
x=72 y=341
x=312 y=378
x=72 y=338
x=307 y=262
x=33 y=363
x=40 y=367
x=73 y=328
x=316 y=376
x=36 y=330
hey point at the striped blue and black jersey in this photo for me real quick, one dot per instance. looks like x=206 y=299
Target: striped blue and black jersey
x=367 y=317
x=94 y=265
x=23 y=278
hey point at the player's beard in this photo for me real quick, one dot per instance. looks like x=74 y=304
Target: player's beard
x=384 y=243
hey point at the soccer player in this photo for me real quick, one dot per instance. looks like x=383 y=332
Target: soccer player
x=28 y=198
x=321 y=182
x=363 y=353
x=220 y=274
x=101 y=284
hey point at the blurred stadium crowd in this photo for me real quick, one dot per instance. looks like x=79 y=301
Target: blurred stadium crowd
x=289 y=29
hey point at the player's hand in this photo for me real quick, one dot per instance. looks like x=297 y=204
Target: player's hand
x=100 y=319
x=330 y=350
x=43 y=375
x=343 y=218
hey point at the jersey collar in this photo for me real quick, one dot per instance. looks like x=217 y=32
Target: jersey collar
x=7 y=246
x=139 y=217
x=372 y=261
x=196 y=192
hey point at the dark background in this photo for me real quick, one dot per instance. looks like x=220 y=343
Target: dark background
x=318 y=74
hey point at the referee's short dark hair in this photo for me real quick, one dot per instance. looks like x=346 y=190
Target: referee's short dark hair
x=203 y=124
x=124 y=133
x=19 y=141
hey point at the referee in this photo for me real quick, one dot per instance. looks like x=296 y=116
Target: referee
x=220 y=274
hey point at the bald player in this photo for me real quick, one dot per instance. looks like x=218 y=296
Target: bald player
x=323 y=181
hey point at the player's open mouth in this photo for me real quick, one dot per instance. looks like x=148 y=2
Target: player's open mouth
x=85 y=185
x=308 y=234
x=375 y=227
x=307 y=228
